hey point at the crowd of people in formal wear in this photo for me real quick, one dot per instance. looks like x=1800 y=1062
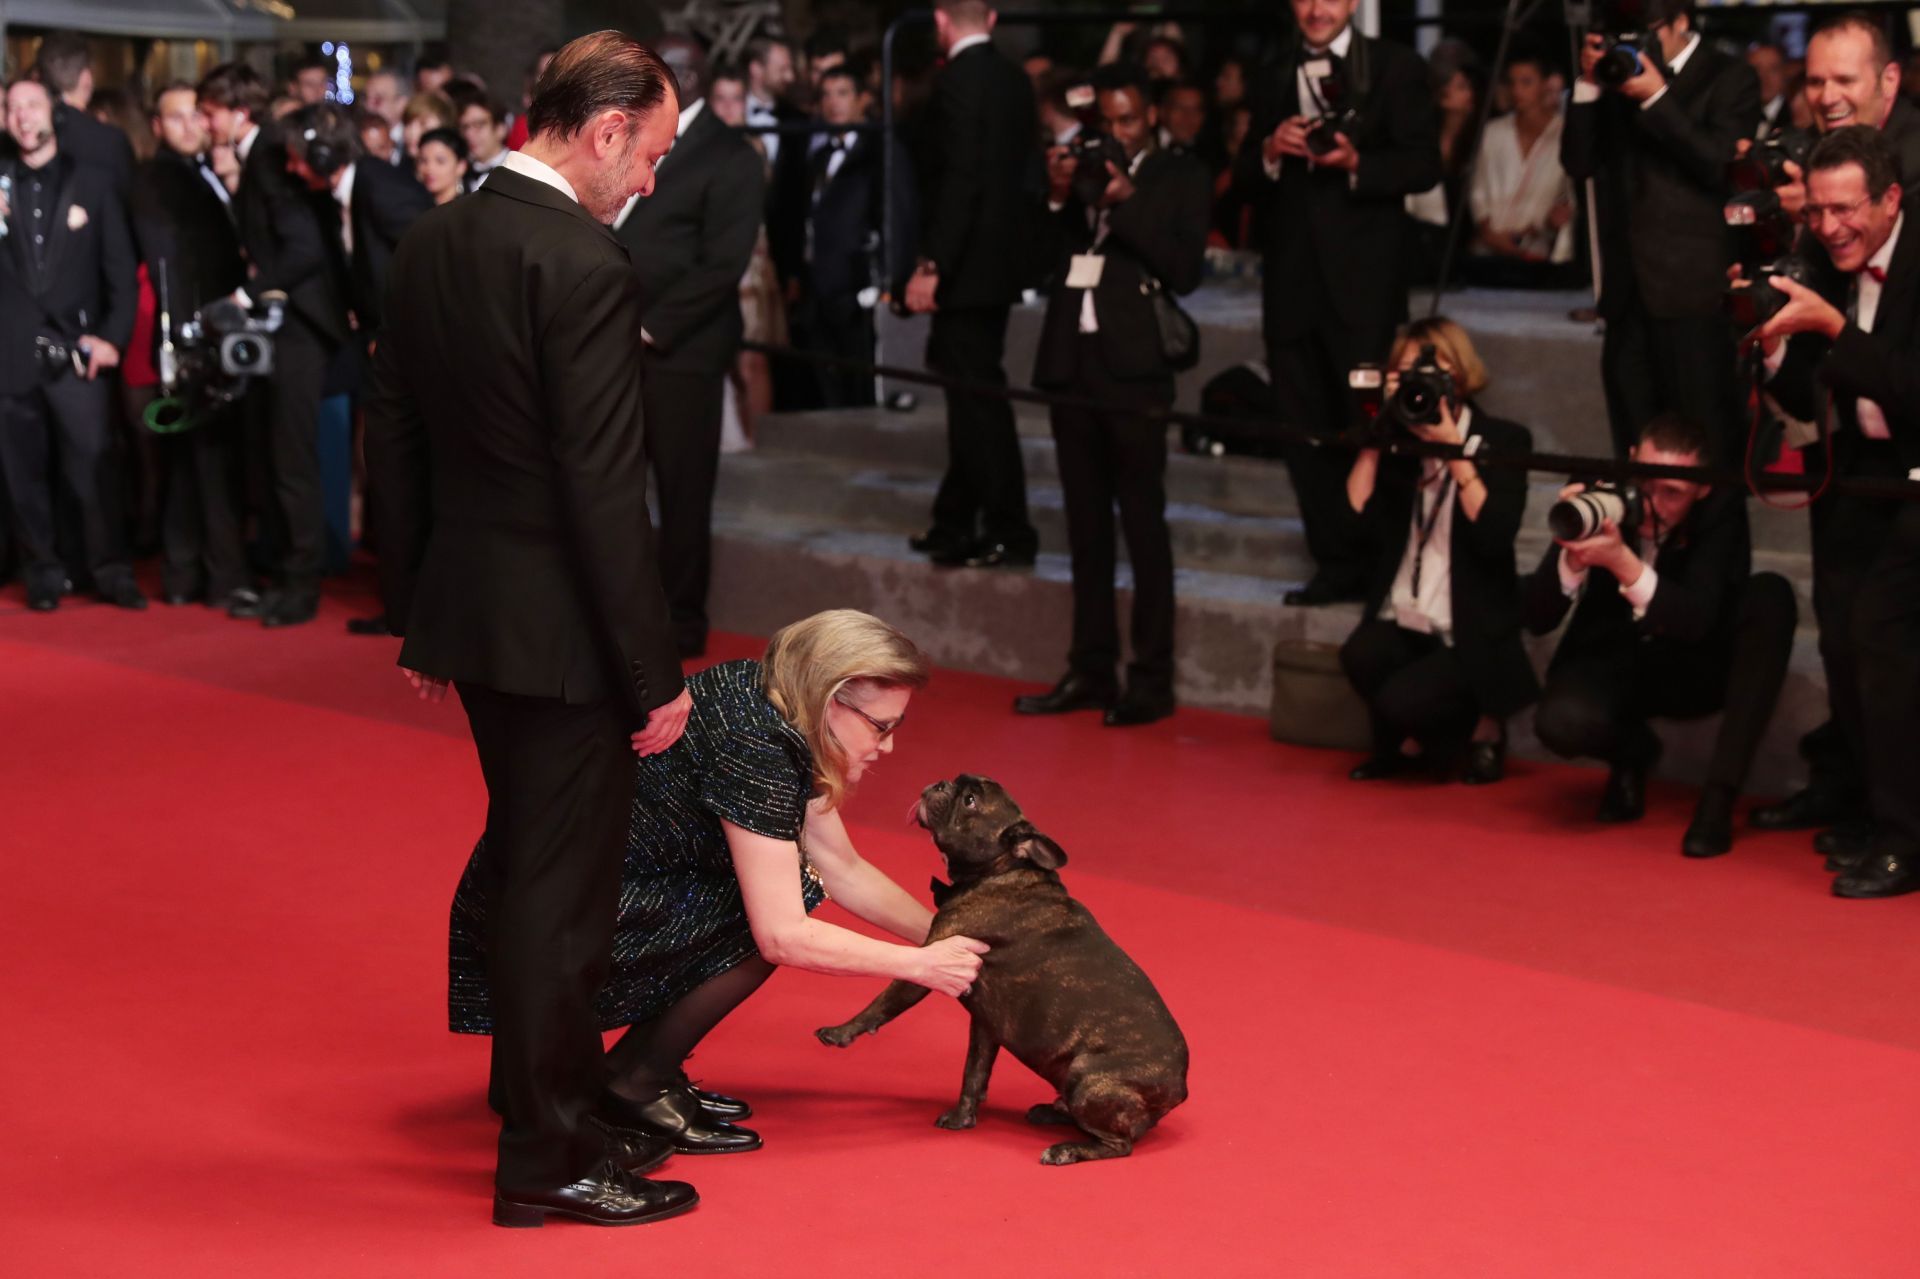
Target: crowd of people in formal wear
x=785 y=215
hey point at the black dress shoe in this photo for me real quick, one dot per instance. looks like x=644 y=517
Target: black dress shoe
x=124 y=593
x=1625 y=798
x=1135 y=708
x=1846 y=847
x=1323 y=590
x=1885 y=875
x=241 y=605
x=1710 y=833
x=607 y=1196
x=43 y=597
x=1486 y=763
x=674 y=1113
x=1074 y=692
x=717 y=1104
x=1812 y=808
x=1375 y=767
x=289 y=608
x=985 y=554
x=636 y=1152
x=176 y=599
x=939 y=541
x=375 y=625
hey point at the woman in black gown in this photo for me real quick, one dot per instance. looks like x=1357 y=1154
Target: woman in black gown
x=735 y=838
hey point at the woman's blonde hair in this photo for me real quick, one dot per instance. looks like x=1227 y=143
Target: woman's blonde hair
x=1450 y=340
x=809 y=662
x=436 y=107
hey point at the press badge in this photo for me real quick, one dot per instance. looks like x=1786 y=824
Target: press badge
x=1084 y=272
x=1318 y=69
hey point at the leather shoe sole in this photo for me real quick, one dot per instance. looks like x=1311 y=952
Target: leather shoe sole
x=659 y=1201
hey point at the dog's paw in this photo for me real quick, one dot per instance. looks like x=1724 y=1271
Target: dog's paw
x=1067 y=1152
x=836 y=1036
x=957 y=1118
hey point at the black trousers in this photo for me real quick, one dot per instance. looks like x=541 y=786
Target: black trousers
x=683 y=411
x=201 y=546
x=559 y=788
x=984 y=490
x=1650 y=366
x=1110 y=459
x=1887 y=631
x=1596 y=705
x=293 y=394
x=1413 y=684
x=1310 y=391
x=839 y=325
x=68 y=420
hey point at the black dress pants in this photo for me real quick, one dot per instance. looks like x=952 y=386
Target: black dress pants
x=839 y=325
x=1650 y=366
x=1887 y=631
x=1108 y=459
x=683 y=409
x=200 y=521
x=559 y=789
x=293 y=393
x=67 y=421
x=984 y=490
x=1596 y=705
x=1413 y=684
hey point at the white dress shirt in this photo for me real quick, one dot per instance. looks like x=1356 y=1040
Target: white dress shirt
x=1639 y=595
x=540 y=171
x=1430 y=611
x=245 y=144
x=964 y=43
x=760 y=114
x=1309 y=94
x=343 y=196
x=839 y=155
x=1515 y=190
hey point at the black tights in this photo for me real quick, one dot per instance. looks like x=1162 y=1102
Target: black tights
x=652 y=1053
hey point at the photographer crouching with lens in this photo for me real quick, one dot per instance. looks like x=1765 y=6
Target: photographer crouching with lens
x=1438 y=658
x=1848 y=349
x=1665 y=621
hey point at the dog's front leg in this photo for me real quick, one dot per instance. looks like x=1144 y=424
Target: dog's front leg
x=888 y=1004
x=982 y=1049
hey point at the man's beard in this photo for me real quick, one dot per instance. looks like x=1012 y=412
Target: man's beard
x=34 y=141
x=607 y=194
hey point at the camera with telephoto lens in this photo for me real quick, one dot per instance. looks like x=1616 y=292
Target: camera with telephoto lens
x=1416 y=400
x=1763 y=235
x=1576 y=518
x=1092 y=151
x=218 y=352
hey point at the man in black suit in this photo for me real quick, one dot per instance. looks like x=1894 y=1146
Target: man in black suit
x=1854 y=349
x=63 y=64
x=1329 y=221
x=1657 y=148
x=67 y=246
x=284 y=233
x=842 y=239
x=690 y=242
x=1666 y=621
x=981 y=212
x=1120 y=231
x=509 y=481
x=184 y=226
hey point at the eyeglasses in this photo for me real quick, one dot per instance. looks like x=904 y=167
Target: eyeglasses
x=882 y=728
x=1818 y=213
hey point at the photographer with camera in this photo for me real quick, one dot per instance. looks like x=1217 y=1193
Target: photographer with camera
x=1347 y=132
x=1129 y=219
x=1438 y=656
x=1666 y=621
x=1847 y=350
x=64 y=240
x=1654 y=121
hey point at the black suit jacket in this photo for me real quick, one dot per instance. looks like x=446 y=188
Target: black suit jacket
x=983 y=180
x=505 y=457
x=1902 y=129
x=1660 y=184
x=384 y=202
x=1704 y=563
x=1484 y=582
x=851 y=207
x=1316 y=220
x=1160 y=232
x=180 y=221
x=102 y=145
x=86 y=283
x=690 y=242
x=285 y=232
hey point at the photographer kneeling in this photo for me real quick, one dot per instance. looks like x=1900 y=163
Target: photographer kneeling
x=1666 y=621
x=1438 y=657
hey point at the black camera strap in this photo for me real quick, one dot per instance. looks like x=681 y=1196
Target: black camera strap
x=1425 y=522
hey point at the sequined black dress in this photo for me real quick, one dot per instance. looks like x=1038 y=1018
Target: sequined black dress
x=681 y=919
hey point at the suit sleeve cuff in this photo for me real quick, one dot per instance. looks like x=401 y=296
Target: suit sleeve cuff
x=1640 y=594
x=1271 y=168
x=1658 y=94
x=1572 y=581
x=1585 y=91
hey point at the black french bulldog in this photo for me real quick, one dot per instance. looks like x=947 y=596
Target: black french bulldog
x=1054 y=990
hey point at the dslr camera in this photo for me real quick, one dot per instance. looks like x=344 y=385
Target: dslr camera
x=1092 y=151
x=218 y=351
x=1573 y=519
x=1338 y=114
x=1763 y=236
x=1629 y=38
x=1416 y=401
x=1765 y=166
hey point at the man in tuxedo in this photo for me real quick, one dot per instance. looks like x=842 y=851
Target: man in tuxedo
x=1328 y=218
x=1119 y=232
x=284 y=233
x=1666 y=621
x=981 y=211
x=690 y=241
x=64 y=65
x=67 y=248
x=769 y=76
x=843 y=239
x=504 y=439
x=1769 y=63
x=1657 y=149
x=1851 y=359
x=483 y=123
x=183 y=224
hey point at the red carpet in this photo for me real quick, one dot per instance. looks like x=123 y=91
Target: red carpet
x=1435 y=1031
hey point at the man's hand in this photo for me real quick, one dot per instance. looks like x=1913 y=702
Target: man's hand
x=1648 y=81
x=1289 y=139
x=1445 y=431
x=920 y=290
x=1605 y=549
x=1060 y=167
x=1343 y=156
x=1560 y=214
x=1119 y=186
x=664 y=725
x=1805 y=312
x=101 y=356
x=1792 y=193
x=429 y=688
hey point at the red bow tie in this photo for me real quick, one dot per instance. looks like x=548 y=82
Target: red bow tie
x=1879 y=274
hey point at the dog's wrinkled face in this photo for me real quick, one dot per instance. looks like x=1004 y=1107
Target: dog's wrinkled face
x=977 y=826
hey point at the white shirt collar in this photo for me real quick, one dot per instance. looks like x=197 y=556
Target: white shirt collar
x=343 y=189
x=540 y=171
x=1341 y=43
x=964 y=43
x=688 y=115
x=1680 y=59
x=245 y=144
x=1884 y=258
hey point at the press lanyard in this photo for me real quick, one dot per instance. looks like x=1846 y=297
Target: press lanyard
x=1425 y=525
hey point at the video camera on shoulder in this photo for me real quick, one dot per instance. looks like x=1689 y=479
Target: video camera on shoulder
x=1338 y=112
x=1576 y=518
x=217 y=353
x=1422 y=392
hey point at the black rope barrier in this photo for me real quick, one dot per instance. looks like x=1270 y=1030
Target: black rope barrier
x=1606 y=468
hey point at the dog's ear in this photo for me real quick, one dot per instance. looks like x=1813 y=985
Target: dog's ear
x=1022 y=840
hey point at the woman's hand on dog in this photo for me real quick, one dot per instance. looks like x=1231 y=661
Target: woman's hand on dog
x=951 y=965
